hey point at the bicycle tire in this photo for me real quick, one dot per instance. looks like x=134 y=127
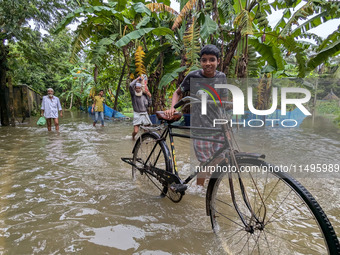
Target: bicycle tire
x=292 y=232
x=160 y=158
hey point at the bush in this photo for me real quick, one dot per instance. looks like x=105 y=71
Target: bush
x=328 y=107
x=337 y=121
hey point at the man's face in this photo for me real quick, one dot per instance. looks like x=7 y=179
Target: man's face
x=50 y=93
x=209 y=64
x=138 y=89
x=101 y=93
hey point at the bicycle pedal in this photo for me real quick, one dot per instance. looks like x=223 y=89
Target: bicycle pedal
x=178 y=187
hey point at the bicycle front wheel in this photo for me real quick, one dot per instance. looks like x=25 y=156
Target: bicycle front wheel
x=272 y=213
x=149 y=153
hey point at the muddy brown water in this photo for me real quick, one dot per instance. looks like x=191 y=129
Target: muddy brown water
x=70 y=192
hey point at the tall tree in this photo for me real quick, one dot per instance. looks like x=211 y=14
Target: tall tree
x=14 y=25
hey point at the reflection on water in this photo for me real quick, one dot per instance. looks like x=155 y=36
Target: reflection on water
x=121 y=237
x=71 y=193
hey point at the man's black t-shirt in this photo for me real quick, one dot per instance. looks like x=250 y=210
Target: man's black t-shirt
x=198 y=74
x=194 y=83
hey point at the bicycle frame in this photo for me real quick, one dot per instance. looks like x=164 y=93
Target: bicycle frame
x=172 y=134
x=169 y=132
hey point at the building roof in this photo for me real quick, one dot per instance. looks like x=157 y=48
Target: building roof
x=331 y=96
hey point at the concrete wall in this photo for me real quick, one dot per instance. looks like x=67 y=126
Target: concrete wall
x=25 y=101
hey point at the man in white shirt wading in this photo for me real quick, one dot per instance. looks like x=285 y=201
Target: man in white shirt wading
x=49 y=108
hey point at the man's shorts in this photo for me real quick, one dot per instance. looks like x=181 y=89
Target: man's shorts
x=206 y=149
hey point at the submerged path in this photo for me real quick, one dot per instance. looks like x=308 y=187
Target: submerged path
x=71 y=193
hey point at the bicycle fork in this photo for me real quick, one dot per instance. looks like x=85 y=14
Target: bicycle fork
x=259 y=224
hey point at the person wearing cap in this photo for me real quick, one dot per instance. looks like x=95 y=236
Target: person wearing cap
x=49 y=109
x=141 y=100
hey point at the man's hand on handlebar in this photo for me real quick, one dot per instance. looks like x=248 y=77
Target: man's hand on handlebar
x=169 y=113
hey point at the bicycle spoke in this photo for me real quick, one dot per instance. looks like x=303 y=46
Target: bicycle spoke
x=268 y=195
x=256 y=242
x=234 y=234
x=224 y=203
x=228 y=218
x=280 y=204
x=219 y=200
x=268 y=245
x=247 y=242
x=290 y=220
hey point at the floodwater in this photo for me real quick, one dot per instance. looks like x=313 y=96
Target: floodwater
x=70 y=192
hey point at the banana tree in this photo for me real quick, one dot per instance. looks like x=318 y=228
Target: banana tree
x=81 y=83
x=285 y=36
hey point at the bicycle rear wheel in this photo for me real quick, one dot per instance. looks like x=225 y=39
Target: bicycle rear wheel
x=279 y=215
x=150 y=153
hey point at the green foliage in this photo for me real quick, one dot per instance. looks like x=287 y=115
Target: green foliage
x=329 y=47
x=209 y=27
x=329 y=108
x=40 y=61
x=141 y=32
x=110 y=31
x=191 y=42
x=83 y=11
x=337 y=121
x=169 y=77
x=270 y=52
x=141 y=8
x=16 y=15
x=244 y=22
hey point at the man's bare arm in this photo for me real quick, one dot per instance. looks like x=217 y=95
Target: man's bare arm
x=175 y=99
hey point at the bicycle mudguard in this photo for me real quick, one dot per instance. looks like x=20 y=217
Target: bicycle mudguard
x=249 y=155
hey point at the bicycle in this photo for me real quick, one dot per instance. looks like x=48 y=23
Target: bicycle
x=262 y=211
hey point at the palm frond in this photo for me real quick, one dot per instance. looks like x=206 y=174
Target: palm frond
x=101 y=48
x=312 y=23
x=191 y=43
x=226 y=9
x=333 y=48
x=295 y=47
x=330 y=38
x=160 y=7
x=244 y=23
x=82 y=34
x=190 y=5
x=313 y=36
x=302 y=13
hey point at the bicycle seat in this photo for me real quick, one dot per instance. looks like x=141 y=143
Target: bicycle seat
x=161 y=116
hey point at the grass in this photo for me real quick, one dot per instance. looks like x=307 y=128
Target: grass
x=331 y=109
x=128 y=114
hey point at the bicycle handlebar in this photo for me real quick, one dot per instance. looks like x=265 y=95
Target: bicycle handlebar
x=184 y=100
x=191 y=100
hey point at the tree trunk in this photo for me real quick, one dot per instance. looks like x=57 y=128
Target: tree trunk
x=118 y=87
x=11 y=101
x=3 y=69
x=230 y=52
x=95 y=73
x=71 y=101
